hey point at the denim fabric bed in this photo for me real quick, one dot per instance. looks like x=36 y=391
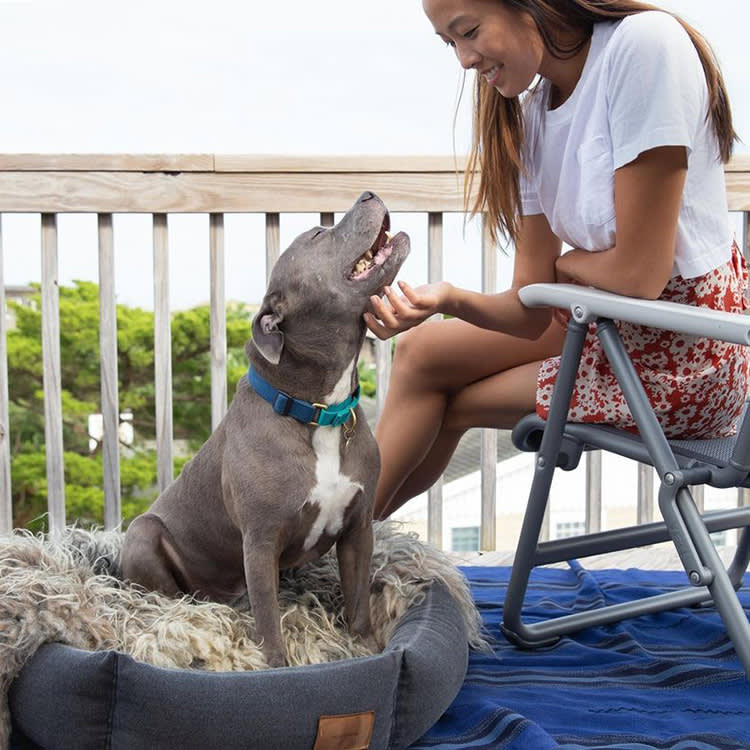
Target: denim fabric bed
x=77 y=700
x=668 y=681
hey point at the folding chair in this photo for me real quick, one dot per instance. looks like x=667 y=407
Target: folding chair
x=679 y=463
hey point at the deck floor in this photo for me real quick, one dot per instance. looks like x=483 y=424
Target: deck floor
x=657 y=557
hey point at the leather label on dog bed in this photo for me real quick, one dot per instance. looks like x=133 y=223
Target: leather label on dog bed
x=345 y=732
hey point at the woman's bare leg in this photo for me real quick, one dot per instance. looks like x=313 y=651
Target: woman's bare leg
x=480 y=404
x=449 y=376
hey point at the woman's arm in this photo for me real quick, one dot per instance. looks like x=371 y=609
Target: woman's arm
x=536 y=251
x=648 y=192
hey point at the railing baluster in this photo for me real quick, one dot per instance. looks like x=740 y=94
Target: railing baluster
x=53 y=430
x=382 y=374
x=645 y=509
x=6 y=499
x=593 y=491
x=108 y=367
x=698 y=492
x=327 y=219
x=488 y=453
x=218 y=321
x=435 y=273
x=162 y=354
x=273 y=242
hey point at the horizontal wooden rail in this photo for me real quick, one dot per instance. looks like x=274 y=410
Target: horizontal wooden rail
x=78 y=183
x=215 y=184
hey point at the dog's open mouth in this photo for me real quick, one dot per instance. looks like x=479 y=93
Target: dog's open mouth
x=375 y=255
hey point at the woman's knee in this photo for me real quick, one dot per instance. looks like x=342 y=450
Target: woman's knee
x=415 y=352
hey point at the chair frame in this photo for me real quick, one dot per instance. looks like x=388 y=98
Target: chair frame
x=679 y=464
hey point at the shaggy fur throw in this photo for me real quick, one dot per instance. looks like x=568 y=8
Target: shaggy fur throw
x=66 y=589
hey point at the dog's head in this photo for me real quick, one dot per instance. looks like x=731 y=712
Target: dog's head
x=321 y=284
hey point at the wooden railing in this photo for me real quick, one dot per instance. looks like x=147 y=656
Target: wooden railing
x=215 y=185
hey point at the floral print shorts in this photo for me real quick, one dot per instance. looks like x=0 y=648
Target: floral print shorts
x=697 y=386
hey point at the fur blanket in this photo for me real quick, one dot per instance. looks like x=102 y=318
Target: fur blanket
x=66 y=589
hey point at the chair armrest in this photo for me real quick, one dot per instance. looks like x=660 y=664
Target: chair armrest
x=586 y=304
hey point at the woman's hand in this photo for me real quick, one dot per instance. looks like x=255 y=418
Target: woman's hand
x=395 y=313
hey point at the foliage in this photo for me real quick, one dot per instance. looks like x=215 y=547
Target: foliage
x=367 y=379
x=80 y=376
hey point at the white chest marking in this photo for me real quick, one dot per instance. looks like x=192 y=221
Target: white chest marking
x=333 y=491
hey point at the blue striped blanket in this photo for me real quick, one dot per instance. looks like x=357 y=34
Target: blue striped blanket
x=669 y=681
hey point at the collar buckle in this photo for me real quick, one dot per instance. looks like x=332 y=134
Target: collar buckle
x=319 y=409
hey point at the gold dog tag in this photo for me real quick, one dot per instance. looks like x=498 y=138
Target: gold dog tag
x=349 y=431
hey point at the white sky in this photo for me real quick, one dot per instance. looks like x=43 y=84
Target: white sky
x=292 y=77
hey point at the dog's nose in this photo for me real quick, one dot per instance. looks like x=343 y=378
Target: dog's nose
x=366 y=196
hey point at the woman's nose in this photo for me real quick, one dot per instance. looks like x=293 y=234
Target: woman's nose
x=467 y=57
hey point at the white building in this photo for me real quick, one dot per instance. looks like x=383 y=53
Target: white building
x=461 y=501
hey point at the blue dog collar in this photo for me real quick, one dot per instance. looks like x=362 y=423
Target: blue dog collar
x=321 y=415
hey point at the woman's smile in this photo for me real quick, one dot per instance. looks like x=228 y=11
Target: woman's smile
x=492 y=74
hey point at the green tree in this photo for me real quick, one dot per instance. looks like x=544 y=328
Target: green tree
x=80 y=375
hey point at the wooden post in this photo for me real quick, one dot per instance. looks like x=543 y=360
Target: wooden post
x=110 y=405
x=53 y=431
x=162 y=355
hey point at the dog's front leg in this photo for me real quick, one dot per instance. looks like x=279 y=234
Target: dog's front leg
x=354 y=552
x=262 y=577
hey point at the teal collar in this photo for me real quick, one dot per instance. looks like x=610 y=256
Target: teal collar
x=321 y=415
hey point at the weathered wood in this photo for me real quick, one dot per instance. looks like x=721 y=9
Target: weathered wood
x=488 y=450
x=435 y=273
x=255 y=163
x=645 y=508
x=274 y=190
x=218 y=322
x=738 y=190
x=356 y=163
x=6 y=500
x=107 y=162
x=738 y=163
x=382 y=374
x=52 y=376
x=273 y=241
x=698 y=492
x=110 y=405
x=200 y=192
x=593 y=491
x=162 y=354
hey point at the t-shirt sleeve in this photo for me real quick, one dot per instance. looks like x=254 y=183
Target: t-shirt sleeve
x=656 y=87
x=530 y=204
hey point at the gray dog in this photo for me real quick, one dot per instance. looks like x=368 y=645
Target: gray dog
x=292 y=467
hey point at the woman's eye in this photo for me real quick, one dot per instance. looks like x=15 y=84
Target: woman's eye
x=470 y=33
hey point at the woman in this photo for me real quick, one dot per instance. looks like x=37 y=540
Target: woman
x=617 y=152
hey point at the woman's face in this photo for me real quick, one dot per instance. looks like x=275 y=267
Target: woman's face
x=501 y=43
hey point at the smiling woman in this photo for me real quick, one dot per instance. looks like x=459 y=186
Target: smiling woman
x=602 y=126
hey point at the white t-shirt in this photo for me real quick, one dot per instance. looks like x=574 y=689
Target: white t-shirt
x=642 y=86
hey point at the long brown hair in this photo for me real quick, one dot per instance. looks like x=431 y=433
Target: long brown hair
x=498 y=122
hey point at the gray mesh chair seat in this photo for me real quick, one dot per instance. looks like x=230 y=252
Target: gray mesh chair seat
x=679 y=464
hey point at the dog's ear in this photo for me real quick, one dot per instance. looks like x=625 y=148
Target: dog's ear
x=267 y=336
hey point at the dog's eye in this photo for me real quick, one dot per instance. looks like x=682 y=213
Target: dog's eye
x=320 y=231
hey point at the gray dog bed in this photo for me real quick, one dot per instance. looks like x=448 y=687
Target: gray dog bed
x=80 y=694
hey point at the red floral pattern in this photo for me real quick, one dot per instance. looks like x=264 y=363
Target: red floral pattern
x=697 y=386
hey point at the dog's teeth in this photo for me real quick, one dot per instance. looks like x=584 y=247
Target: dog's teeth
x=388 y=236
x=368 y=255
